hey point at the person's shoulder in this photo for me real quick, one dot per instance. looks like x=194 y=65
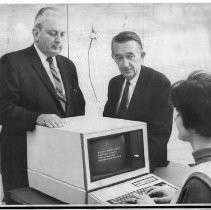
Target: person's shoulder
x=199 y=178
x=65 y=59
x=154 y=74
x=115 y=81
x=17 y=55
x=117 y=78
x=195 y=183
x=195 y=190
x=198 y=185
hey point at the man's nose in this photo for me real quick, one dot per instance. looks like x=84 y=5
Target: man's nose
x=126 y=63
x=58 y=38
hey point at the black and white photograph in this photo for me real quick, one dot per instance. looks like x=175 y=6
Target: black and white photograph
x=105 y=105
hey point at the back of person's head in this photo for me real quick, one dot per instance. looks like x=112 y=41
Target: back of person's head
x=127 y=36
x=192 y=99
x=43 y=13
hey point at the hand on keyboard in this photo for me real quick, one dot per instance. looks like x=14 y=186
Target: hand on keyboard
x=161 y=194
x=131 y=201
x=126 y=197
x=147 y=195
x=140 y=199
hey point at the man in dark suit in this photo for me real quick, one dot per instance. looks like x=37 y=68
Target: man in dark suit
x=38 y=86
x=140 y=93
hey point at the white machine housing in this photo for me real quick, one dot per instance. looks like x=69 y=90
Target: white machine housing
x=58 y=159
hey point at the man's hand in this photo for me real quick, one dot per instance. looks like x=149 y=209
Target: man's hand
x=50 y=120
x=161 y=194
x=140 y=199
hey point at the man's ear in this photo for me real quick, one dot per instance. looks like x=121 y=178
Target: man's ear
x=143 y=54
x=35 y=32
x=193 y=131
x=113 y=58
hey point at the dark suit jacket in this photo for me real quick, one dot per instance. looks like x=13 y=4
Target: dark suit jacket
x=26 y=92
x=149 y=104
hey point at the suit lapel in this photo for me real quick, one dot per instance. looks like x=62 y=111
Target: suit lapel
x=139 y=89
x=117 y=92
x=40 y=70
x=119 y=86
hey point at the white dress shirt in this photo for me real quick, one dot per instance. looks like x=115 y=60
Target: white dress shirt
x=47 y=68
x=132 y=86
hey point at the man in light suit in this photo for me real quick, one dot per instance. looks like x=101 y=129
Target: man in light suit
x=140 y=93
x=38 y=87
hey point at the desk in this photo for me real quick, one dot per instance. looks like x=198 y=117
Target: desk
x=29 y=196
x=174 y=173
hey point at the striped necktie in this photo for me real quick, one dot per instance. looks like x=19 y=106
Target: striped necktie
x=58 y=83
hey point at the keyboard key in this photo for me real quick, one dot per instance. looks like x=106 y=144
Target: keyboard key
x=123 y=198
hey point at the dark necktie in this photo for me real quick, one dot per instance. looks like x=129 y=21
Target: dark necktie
x=123 y=105
x=58 y=83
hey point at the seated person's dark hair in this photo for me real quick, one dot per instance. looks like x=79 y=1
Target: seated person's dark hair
x=192 y=99
x=125 y=36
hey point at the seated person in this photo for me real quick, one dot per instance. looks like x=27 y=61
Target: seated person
x=192 y=100
x=140 y=93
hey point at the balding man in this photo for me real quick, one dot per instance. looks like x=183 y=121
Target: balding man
x=38 y=86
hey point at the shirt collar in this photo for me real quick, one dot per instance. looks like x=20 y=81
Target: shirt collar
x=42 y=56
x=133 y=81
x=202 y=155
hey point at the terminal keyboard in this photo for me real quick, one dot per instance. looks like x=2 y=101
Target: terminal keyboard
x=123 y=198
